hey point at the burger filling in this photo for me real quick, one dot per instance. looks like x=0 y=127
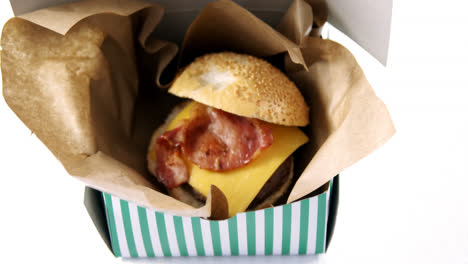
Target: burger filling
x=212 y=140
x=243 y=157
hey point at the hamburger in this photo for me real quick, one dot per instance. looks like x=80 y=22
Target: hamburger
x=237 y=130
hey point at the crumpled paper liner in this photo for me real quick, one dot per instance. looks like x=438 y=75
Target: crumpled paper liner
x=82 y=78
x=349 y=122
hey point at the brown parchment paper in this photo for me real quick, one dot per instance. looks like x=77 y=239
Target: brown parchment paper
x=83 y=78
x=349 y=120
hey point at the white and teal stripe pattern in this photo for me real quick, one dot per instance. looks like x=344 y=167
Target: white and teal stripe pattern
x=291 y=229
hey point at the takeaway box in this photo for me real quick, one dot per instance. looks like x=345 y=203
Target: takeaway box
x=131 y=218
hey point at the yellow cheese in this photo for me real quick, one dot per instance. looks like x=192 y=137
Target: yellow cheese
x=240 y=186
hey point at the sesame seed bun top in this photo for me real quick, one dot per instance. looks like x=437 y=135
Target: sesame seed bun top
x=243 y=85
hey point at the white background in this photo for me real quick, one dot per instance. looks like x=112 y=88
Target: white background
x=405 y=203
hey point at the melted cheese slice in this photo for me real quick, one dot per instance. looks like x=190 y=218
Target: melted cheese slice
x=241 y=185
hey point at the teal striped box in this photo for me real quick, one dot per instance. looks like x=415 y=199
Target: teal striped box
x=298 y=228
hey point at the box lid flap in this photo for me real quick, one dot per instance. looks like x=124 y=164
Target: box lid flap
x=20 y=7
x=366 y=22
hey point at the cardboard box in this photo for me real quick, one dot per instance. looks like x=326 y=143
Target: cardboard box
x=302 y=227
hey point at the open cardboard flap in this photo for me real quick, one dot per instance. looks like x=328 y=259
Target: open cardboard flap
x=366 y=22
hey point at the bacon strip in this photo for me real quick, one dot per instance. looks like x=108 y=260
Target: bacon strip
x=171 y=168
x=213 y=140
